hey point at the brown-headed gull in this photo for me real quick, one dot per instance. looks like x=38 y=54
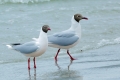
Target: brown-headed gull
x=33 y=48
x=68 y=38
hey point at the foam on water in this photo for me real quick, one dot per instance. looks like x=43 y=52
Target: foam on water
x=22 y=1
x=105 y=42
x=102 y=43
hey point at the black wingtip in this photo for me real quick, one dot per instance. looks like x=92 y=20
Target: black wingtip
x=14 y=44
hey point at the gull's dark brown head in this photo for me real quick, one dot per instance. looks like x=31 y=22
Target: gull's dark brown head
x=45 y=28
x=79 y=17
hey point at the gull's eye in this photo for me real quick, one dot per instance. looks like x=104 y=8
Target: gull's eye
x=78 y=16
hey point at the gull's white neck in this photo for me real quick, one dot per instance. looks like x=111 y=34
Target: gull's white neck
x=75 y=26
x=43 y=37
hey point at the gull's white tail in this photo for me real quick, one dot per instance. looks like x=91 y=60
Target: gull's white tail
x=9 y=46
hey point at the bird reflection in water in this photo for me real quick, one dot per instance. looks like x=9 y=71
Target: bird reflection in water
x=71 y=61
x=63 y=74
x=57 y=65
x=30 y=74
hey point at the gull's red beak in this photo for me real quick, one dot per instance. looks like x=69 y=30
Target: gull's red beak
x=49 y=29
x=85 y=18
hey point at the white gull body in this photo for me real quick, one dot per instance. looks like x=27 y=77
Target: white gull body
x=68 y=38
x=33 y=48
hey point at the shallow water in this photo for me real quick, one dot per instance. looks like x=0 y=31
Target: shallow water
x=20 y=21
x=100 y=64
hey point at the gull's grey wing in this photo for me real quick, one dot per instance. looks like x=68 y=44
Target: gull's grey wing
x=64 y=38
x=25 y=48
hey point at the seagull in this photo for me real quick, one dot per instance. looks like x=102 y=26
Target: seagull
x=33 y=48
x=68 y=38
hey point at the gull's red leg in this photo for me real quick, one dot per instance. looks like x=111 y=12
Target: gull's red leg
x=28 y=63
x=57 y=54
x=34 y=62
x=70 y=55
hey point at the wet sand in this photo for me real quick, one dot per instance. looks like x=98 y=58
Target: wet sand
x=99 y=64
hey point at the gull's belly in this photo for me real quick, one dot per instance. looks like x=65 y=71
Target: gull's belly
x=64 y=47
x=39 y=52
